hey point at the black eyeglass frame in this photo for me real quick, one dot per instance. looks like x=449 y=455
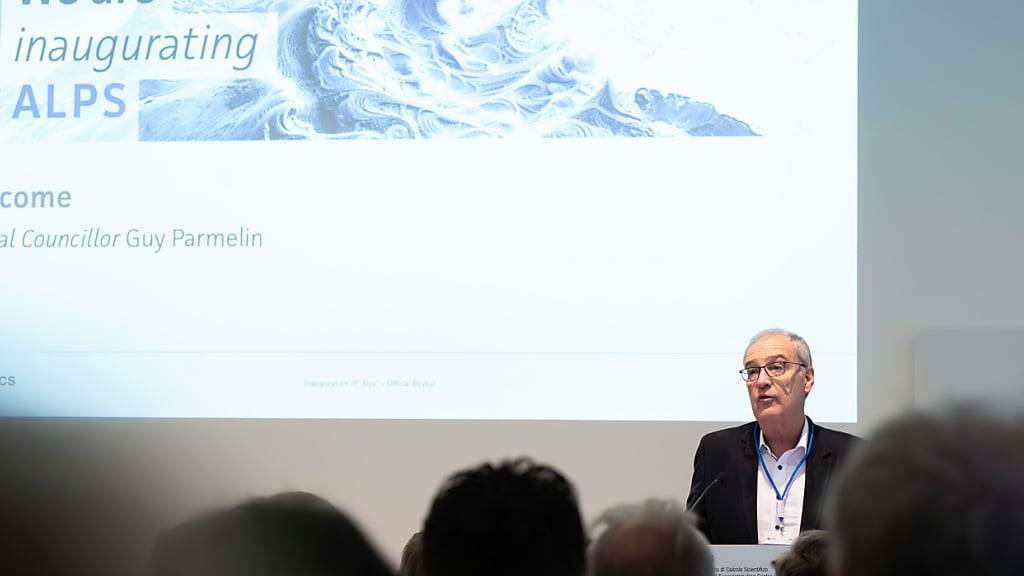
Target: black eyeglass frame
x=745 y=373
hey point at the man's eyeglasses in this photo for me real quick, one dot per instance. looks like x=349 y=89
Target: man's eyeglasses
x=773 y=369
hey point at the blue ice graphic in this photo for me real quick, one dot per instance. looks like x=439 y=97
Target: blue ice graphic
x=399 y=69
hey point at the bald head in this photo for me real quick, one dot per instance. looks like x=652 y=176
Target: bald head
x=637 y=549
x=656 y=538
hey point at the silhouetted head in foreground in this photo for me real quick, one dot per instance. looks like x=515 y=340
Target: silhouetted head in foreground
x=937 y=494
x=412 y=557
x=808 y=556
x=514 y=519
x=76 y=499
x=290 y=534
x=656 y=538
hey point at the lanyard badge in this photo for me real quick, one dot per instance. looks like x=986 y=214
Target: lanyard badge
x=780 y=497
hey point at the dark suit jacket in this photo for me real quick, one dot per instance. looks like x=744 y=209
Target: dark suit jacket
x=728 y=513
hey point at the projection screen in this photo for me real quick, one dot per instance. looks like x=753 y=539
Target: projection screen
x=422 y=209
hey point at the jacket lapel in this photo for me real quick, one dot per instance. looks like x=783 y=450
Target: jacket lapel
x=819 y=469
x=747 y=477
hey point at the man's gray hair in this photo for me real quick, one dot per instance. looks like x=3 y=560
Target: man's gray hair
x=807 y=556
x=803 y=351
x=938 y=494
x=687 y=555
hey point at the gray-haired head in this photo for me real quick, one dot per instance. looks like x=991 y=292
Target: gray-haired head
x=803 y=351
x=937 y=493
x=808 y=556
x=657 y=537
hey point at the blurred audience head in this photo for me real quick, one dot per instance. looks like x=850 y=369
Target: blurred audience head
x=289 y=534
x=656 y=538
x=938 y=494
x=412 y=557
x=513 y=519
x=76 y=499
x=808 y=556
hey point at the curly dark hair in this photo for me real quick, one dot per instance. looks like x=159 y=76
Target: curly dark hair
x=516 y=518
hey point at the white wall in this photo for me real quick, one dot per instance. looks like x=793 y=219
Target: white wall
x=941 y=207
x=940 y=182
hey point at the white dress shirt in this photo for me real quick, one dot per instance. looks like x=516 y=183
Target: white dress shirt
x=770 y=530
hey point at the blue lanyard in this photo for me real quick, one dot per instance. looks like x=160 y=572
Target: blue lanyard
x=781 y=497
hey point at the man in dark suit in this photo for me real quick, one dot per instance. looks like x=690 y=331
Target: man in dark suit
x=764 y=482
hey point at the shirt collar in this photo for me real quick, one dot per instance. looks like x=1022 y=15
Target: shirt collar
x=802 y=443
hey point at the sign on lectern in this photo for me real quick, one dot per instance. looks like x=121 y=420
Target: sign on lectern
x=746 y=560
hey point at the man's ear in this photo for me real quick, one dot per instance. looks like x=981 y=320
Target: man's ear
x=808 y=380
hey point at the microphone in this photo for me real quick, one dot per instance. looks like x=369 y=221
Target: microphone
x=720 y=478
